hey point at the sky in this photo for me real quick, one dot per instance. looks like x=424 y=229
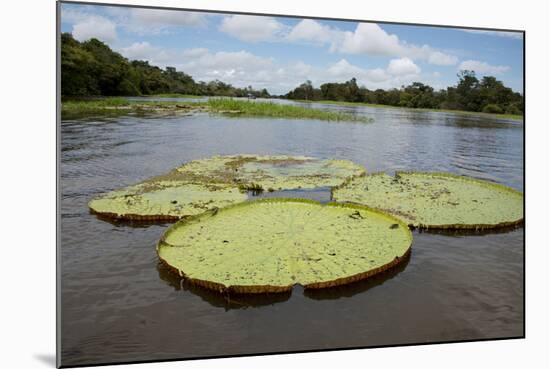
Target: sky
x=279 y=53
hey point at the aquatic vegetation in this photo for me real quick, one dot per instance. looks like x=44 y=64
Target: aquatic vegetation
x=268 y=173
x=270 y=245
x=164 y=200
x=119 y=105
x=226 y=106
x=215 y=182
x=436 y=200
x=176 y=95
x=270 y=109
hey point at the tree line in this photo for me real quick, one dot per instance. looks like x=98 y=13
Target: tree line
x=91 y=68
x=487 y=95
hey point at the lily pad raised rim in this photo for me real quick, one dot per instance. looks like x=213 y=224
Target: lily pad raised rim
x=258 y=289
x=453 y=226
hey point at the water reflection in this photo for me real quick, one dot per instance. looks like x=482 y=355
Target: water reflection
x=320 y=194
x=471 y=232
x=219 y=300
x=243 y=301
x=351 y=289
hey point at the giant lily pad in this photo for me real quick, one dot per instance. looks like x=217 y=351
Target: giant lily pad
x=280 y=172
x=164 y=200
x=270 y=245
x=216 y=182
x=437 y=200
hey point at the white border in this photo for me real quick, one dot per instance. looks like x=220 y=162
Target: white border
x=28 y=185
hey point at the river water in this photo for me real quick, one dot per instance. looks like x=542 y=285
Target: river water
x=119 y=305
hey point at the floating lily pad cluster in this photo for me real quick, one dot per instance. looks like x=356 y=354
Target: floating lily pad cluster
x=271 y=173
x=228 y=244
x=219 y=181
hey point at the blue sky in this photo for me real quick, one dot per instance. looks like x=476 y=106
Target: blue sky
x=279 y=53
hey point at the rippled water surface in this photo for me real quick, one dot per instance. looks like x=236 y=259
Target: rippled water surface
x=119 y=305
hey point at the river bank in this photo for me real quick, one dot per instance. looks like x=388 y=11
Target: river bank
x=462 y=112
x=216 y=105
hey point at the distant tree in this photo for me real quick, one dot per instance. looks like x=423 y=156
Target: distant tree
x=418 y=95
x=492 y=108
x=353 y=92
x=92 y=68
x=489 y=94
x=305 y=91
x=77 y=66
x=467 y=91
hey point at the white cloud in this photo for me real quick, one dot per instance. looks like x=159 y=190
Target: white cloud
x=155 y=21
x=251 y=28
x=242 y=68
x=402 y=67
x=439 y=58
x=242 y=60
x=144 y=51
x=516 y=35
x=138 y=50
x=73 y=16
x=369 y=39
x=398 y=72
x=239 y=68
x=311 y=31
x=154 y=55
x=94 y=26
x=87 y=24
x=301 y=69
x=482 y=67
x=344 y=70
x=377 y=75
x=195 y=52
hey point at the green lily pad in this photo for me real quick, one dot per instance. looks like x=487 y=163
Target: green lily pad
x=270 y=245
x=279 y=172
x=436 y=200
x=164 y=200
x=216 y=182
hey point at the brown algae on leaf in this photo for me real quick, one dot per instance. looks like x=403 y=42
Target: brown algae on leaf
x=269 y=245
x=436 y=200
x=164 y=200
x=216 y=182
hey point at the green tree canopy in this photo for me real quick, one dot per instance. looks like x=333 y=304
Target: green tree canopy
x=470 y=94
x=91 y=68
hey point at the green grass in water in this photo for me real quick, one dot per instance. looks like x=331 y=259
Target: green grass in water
x=232 y=107
x=176 y=95
x=269 y=109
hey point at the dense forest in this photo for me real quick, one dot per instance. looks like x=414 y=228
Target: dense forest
x=91 y=68
x=470 y=94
